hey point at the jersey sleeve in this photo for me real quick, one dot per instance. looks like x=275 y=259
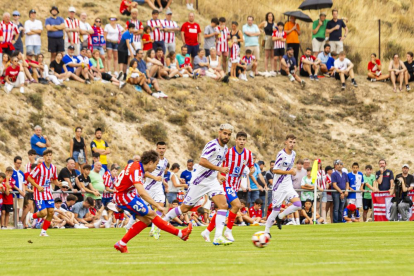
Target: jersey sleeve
x=279 y=161
x=54 y=176
x=93 y=145
x=136 y=176
x=35 y=172
x=250 y=160
x=208 y=152
x=106 y=145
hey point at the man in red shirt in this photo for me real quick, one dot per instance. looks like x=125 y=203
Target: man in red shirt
x=255 y=212
x=191 y=35
x=309 y=65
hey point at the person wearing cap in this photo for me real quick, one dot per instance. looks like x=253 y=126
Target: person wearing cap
x=10 y=34
x=85 y=29
x=18 y=44
x=351 y=214
x=137 y=32
x=33 y=29
x=112 y=34
x=401 y=202
x=289 y=67
x=157 y=31
x=126 y=7
x=293 y=32
x=100 y=146
x=170 y=27
x=72 y=31
x=55 y=26
x=77 y=68
x=340 y=183
x=318 y=33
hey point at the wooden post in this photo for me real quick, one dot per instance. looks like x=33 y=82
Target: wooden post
x=379 y=39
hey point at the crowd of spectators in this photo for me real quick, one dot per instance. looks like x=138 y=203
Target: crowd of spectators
x=141 y=52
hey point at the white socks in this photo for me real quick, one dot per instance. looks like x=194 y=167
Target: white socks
x=271 y=220
x=220 y=221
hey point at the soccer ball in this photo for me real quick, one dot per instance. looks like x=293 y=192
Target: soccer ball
x=260 y=239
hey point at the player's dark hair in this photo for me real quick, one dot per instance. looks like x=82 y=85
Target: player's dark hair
x=309 y=49
x=290 y=136
x=201 y=210
x=222 y=19
x=3 y=175
x=410 y=54
x=308 y=200
x=161 y=143
x=355 y=164
x=368 y=167
x=96 y=154
x=215 y=20
x=90 y=201
x=98 y=129
x=58 y=200
x=175 y=201
x=32 y=152
x=71 y=198
x=326 y=45
x=258 y=201
x=159 y=49
x=87 y=167
x=48 y=151
x=241 y=134
x=175 y=166
x=17 y=158
x=149 y=156
x=248 y=51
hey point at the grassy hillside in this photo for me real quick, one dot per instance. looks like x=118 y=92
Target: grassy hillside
x=360 y=124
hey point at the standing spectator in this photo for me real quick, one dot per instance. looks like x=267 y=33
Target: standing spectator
x=344 y=68
x=384 y=177
x=137 y=31
x=368 y=186
x=112 y=35
x=289 y=67
x=253 y=183
x=78 y=149
x=98 y=39
x=300 y=174
x=269 y=26
x=329 y=203
x=251 y=33
x=38 y=141
x=55 y=26
x=32 y=159
x=235 y=60
x=356 y=179
x=8 y=184
x=318 y=33
x=279 y=41
x=72 y=31
x=293 y=32
x=97 y=185
x=306 y=163
x=397 y=70
x=33 y=29
x=10 y=34
x=109 y=179
x=100 y=146
x=82 y=182
x=309 y=65
x=409 y=74
x=210 y=33
x=340 y=182
x=146 y=38
x=268 y=177
x=307 y=184
x=125 y=47
x=237 y=33
x=14 y=76
x=157 y=31
x=374 y=70
x=174 y=184
x=170 y=27
x=222 y=45
x=334 y=29
x=19 y=180
x=18 y=44
x=187 y=174
x=85 y=30
x=322 y=186
x=191 y=35
x=401 y=203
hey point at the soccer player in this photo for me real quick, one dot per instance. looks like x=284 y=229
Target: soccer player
x=282 y=184
x=207 y=180
x=154 y=184
x=130 y=195
x=41 y=178
x=236 y=159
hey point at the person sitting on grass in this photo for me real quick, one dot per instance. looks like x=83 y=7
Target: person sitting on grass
x=309 y=65
x=168 y=72
x=409 y=74
x=172 y=64
x=136 y=78
x=64 y=214
x=374 y=69
x=14 y=76
x=58 y=68
x=201 y=64
x=98 y=69
x=306 y=216
x=198 y=217
x=289 y=68
x=77 y=69
x=184 y=59
x=351 y=214
x=397 y=70
x=344 y=68
x=126 y=7
x=255 y=212
x=251 y=63
x=215 y=64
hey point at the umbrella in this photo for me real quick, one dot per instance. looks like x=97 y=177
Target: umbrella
x=299 y=15
x=315 y=4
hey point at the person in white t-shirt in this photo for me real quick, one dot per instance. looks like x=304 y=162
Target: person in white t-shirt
x=33 y=29
x=344 y=68
x=85 y=30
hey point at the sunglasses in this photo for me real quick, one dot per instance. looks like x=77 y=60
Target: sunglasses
x=97 y=21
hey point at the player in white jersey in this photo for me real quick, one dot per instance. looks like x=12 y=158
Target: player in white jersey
x=282 y=184
x=207 y=180
x=154 y=182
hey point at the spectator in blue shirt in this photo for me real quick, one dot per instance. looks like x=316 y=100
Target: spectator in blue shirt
x=385 y=178
x=38 y=142
x=356 y=179
x=124 y=46
x=75 y=67
x=340 y=182
x=351 y=214
x=253 y=184
x=55 y=26
x=289 y=67
x=187 y=174
x=19 y=178
x=142 y=67
x=327 y=62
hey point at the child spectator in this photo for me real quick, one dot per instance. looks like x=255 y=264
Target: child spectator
x=351 y=214
x=307 y=184
x=146 y=38
x=234 y=58
x=369 y=180
x=356 y=179
x=306 y=216
x=255 y=212
x=251 y=63
x=279 y=38
x=3 y=193
x=223 y=38
x=70 y=201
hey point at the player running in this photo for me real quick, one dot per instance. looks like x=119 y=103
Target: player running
x=207 y=179
x=154 y=182
x=128 y=193
x=282 y=184
x=41 y=178
x=236 y=159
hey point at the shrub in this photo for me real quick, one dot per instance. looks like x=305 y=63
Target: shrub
x=130 y=115
x=154 y=132
x=36 y=118
x=36 y=100
x=4 y=136
x=196 y=143
x=99 y=123
x=13 y=126
x=392 y=48
x=178 y=119
x=88 y=5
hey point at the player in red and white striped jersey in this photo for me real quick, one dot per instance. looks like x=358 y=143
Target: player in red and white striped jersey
x=157 y=33
x=170 y=27
x=222 y=45
x=10 y=32
x=130 y=182
x=138 y=31
x=41 y=178
x=72 y=31
x=236 y=159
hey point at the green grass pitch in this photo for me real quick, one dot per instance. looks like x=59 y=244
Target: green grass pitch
x=346 y=249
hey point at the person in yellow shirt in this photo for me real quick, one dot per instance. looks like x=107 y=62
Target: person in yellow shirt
x=293 y=32
x=102 y=147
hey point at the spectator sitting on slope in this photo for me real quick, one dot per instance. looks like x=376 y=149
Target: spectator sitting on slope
x=374 y=69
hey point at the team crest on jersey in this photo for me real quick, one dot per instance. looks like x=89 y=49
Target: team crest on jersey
x=159 y=168
x=219 y=157
x=237 y=170
x=285 y=164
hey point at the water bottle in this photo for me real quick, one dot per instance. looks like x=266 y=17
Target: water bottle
x=81 y=158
